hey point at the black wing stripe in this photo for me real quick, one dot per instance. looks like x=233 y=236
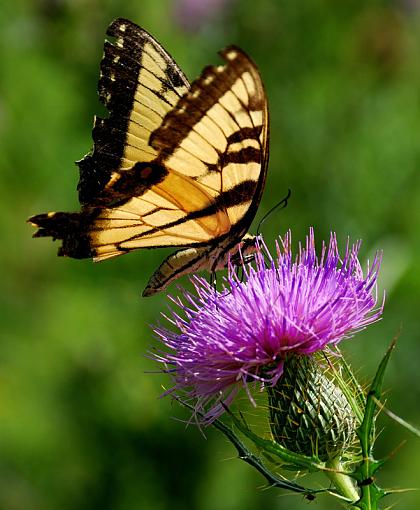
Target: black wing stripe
x=245 y=133
x=245 y=155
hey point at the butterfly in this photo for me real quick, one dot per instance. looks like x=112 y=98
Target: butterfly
x=173 y=165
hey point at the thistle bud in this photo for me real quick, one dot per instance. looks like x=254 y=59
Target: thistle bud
x=309 y=414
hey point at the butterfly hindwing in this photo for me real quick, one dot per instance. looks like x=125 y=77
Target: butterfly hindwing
x=173 y=164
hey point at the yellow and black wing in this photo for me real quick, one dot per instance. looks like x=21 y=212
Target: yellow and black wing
x=139 y=83
x=173 y=164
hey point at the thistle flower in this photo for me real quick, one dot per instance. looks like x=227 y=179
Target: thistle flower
x=292 y=305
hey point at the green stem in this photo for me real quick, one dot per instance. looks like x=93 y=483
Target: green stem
x=343 y=483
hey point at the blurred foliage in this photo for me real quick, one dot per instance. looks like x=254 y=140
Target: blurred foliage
x=80 y=422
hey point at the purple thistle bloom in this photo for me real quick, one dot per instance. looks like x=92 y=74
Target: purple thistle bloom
x=301 y=305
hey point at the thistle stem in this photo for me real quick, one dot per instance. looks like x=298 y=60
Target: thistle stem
x=343 y=483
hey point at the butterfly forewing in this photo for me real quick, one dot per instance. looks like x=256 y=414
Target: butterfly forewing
x=139 y=83
x=218 y=132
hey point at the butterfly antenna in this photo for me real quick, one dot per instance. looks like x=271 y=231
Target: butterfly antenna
x=281 y=205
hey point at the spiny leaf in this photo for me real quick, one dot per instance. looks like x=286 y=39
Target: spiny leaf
x=370 y=493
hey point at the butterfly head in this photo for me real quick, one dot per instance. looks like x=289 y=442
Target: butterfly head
x=244 y=251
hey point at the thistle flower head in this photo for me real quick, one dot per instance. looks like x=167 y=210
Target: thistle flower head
x=302 y=304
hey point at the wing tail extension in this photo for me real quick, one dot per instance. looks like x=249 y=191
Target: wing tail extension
x=71 y=228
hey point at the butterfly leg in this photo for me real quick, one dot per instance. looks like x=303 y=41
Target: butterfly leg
x=213 y=280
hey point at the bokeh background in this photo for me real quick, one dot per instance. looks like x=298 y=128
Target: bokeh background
x=81 y=424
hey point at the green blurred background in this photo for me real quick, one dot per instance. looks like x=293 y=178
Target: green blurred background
x=81 y=424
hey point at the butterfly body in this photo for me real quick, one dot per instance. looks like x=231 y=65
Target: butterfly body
x=174 y=164
x=191 y=260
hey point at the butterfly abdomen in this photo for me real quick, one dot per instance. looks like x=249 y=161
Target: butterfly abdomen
x=209 y=258
x=182 y=262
